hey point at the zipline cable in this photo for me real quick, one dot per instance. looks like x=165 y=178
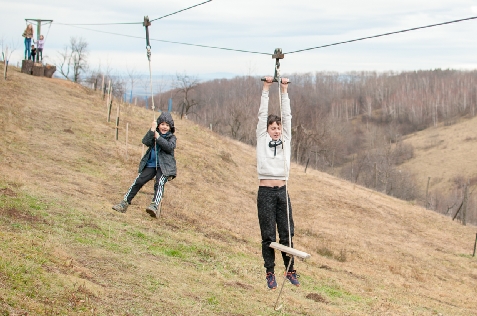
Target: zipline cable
x=113 y=23
x=181 y=10
x=384 y=34
x=172 y=42
x=124 y=23
x=292 y=52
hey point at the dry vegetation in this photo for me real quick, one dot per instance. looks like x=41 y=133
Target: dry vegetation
x=446 y=155
x=65 y=252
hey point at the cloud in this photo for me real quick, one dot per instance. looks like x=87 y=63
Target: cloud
x=257 y=26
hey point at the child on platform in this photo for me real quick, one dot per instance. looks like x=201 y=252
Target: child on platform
x=158 y=162
x=39 y=45
x=33 y=53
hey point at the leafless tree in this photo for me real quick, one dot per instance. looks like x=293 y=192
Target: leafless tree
x=185 y=86
x=73 y=59
x=133 y=77
x=7 y=49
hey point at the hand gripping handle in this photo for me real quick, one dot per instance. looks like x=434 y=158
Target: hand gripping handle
x=274 y=80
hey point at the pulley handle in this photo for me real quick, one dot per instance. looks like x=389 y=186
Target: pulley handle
x=274 y=80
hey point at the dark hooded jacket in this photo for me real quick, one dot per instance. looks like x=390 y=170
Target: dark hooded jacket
x=165 y=146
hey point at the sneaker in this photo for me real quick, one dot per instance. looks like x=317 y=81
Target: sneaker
x=292 y=277
x=271 y=282
x=153 y=210
x=121 y=207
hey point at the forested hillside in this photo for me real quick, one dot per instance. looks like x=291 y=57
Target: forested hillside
x=350 y=125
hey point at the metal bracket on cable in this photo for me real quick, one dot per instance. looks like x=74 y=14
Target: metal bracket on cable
x=277 y=55
x=146 y=24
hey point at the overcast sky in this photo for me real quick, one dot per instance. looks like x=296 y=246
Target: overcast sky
x=254 y=25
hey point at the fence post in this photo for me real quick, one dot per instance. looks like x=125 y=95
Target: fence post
x=475 y=244
x=110 y=105
x=117 y=124
x=109 y=93
x=306 y=167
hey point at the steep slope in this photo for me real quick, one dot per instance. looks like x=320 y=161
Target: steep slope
x=64 y=251
x=444 y=153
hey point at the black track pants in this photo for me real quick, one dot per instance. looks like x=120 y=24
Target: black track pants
x=272 y=214
x=145 y=176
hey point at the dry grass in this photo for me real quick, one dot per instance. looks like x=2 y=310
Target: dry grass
x=65 y=252
x=444 y=153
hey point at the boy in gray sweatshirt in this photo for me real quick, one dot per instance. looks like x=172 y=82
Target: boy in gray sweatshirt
x=273 y=166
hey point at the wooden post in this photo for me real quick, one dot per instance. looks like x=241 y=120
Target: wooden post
x=306 y=167
x=117 y=124
x=464 y=206
x=458 y=210
x=103 y=88
x=427 y=193
x=110 y=106
x=109 y=93
x=475 y=244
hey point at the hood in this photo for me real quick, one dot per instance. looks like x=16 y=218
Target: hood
x=166 y=117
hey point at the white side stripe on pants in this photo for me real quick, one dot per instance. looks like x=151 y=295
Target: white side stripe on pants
x=160 y=190
x=130 y=188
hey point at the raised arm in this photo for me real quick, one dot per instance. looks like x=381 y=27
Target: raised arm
x=263 y=110
x=286 y=110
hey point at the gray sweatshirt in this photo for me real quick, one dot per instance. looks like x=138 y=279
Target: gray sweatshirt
x=270 y=164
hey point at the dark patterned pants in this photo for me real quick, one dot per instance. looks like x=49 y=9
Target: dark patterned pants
x=272 y=215
x=145 y=176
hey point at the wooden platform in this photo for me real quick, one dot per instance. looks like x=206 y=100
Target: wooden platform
x=290 y=251
x=37 y=69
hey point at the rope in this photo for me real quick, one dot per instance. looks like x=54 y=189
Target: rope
x=148 y=51
x=48 y=32
x=277 y=71
x=148 y=48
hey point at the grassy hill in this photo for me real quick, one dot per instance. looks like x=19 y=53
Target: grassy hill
x=444 y=153
x=64 y=251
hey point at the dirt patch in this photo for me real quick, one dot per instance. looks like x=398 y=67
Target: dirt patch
x=21 y=215
x=317 y=298
x=239 y=285
x=7 y=192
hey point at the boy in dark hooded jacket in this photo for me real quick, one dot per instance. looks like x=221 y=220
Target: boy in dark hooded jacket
x=158 y=162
